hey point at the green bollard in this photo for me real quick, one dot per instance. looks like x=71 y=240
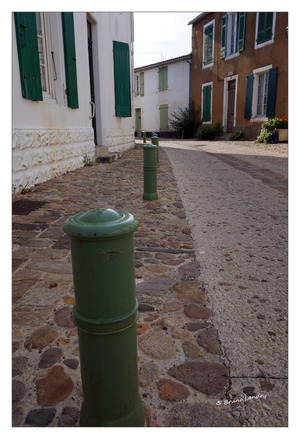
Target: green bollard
x=144 y=136
x=105 y=313
x=154 y=140
x=150 y=172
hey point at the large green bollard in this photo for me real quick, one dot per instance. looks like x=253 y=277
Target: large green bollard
x=150 y=172
x=105 y=313
x=154 y=141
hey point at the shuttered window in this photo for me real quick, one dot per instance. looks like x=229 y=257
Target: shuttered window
x=224 y=36
x=206 y=103
x=122 y=79
x=70 y=58
x=208 y=45
x=163 y=110
x=163 y=78
x=142 y=83
x=26 y=36
x=264 y=27
x=261 y=90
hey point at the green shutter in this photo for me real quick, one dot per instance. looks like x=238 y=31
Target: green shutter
x=206 y=102
x=248 y=99
x=163 y=110
x=208 y=55
x=265 y=27
x=28 y=54
x=223 y=36
x=122 y=79
x=163 y=78
x=241 y=31
x=142 y=83
x=272 y=92
x=70 y=58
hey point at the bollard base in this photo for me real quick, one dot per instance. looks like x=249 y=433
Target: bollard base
x=133 y=419
x=150 y=196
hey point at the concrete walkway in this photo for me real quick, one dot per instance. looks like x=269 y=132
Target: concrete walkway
x=188 y=375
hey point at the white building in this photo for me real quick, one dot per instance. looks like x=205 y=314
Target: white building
x=160 y=89
x=72 y=91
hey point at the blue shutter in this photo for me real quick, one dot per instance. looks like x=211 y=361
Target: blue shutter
x=223 y=36
x=265 y=27
x=272 y=92
x=241 y=31
x=122 y=79
x=248 y=99
x=28 y=54
x=70 y=58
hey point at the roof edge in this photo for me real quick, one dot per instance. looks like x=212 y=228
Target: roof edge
x=162 y=63
x=199 y=17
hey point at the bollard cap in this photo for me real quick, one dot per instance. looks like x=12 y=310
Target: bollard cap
x=100 y=223
x=149 y=146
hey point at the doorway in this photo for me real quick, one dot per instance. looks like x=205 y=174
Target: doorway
x=92 y=82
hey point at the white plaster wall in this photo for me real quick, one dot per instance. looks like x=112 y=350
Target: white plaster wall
x=116 y=133
x=49 y=138
x=176 y=96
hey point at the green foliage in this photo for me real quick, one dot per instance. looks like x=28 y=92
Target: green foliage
x=209 y=132
x=237 y=135
x=183 y=122
x=269 y=126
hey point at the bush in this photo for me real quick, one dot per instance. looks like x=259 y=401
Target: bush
x=183 y=122
x=237 y=135
x=209 y=132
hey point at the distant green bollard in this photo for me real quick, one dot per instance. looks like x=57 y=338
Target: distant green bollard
x=150 y=172
x=154 y=140
x=105 y=313
x=144 y=136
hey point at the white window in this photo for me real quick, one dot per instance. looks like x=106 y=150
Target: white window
x=260 y=93
x=265 y=29
x=232 y=33
x=45 y=53
x=208 y=44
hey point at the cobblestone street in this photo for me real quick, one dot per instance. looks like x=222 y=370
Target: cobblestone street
x=211 y=281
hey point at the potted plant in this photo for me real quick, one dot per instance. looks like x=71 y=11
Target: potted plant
x=271 y=126
x=283 y=129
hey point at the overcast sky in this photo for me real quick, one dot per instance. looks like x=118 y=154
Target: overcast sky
x=159 y=36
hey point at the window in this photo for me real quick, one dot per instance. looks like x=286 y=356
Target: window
x=208 y=44
x=45 y=54
x=163 y=78
x=261 y=93
x=232 y=33
x=265 y=28
x=36 y=57
x=206 y=102
x=163 y=115
x=122 y=79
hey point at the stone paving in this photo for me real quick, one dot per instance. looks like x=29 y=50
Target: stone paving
x=183 y=372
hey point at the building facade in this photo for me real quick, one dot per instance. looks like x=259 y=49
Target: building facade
x=160 y=89
x=239 y=74
x=72 y=91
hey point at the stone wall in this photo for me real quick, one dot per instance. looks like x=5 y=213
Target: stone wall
x=39 y=155
x=119 y=140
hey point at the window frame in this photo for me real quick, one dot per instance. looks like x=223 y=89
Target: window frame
x=207 y=84
x=264 y=43
x=49 y=92
x=210 y=23
x=256 y=73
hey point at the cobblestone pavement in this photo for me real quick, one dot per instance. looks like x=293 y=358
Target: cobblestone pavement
x=211 y=338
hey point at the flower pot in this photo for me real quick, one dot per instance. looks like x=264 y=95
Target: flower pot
x=282 y=135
